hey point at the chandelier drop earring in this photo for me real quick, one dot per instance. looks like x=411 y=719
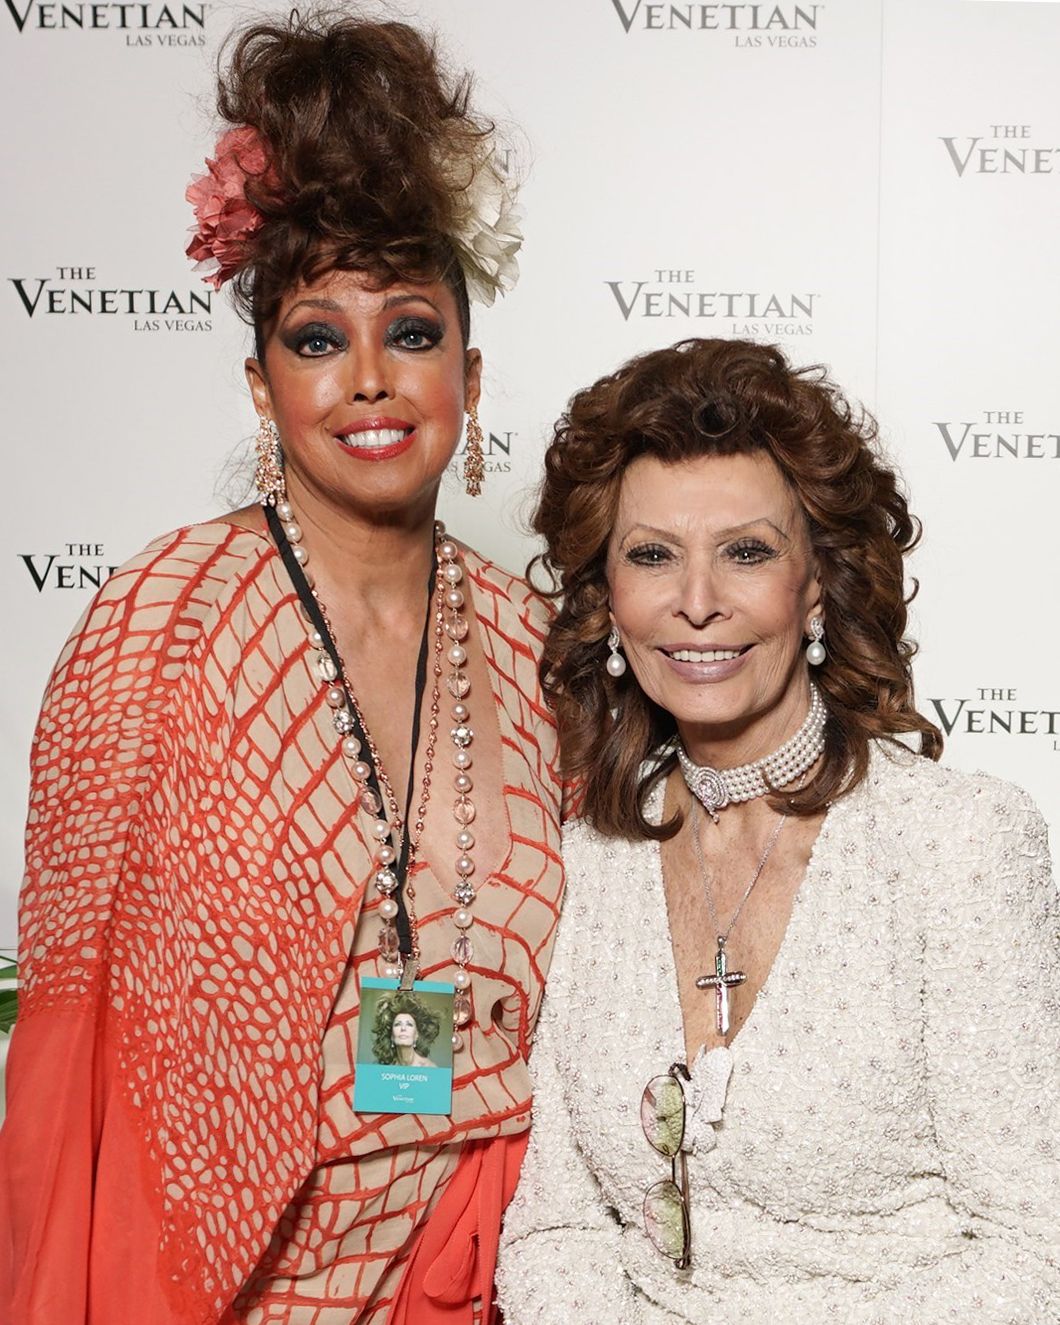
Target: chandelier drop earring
x=474 y=468
x=616 y=664
x=268 y=476
x=816 y=653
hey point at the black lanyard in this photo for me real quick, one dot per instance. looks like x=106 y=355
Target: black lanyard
x=312 y=608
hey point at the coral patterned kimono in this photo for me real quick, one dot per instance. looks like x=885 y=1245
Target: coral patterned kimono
x=180 y=1147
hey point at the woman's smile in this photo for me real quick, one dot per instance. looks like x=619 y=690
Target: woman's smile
x=697 y=663
x=376 y=438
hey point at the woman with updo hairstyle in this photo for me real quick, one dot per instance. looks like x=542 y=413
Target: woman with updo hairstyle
x=294 y=752
x=797 y=1058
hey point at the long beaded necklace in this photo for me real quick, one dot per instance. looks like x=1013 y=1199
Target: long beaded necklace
x=395 y=844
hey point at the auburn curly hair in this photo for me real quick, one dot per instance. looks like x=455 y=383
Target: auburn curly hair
x=362 y=128
x=428 y=1025
x=724 y=397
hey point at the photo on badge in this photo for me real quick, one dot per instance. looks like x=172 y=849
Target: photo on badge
x=404 y=1058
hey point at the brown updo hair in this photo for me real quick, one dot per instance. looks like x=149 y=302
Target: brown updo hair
x=724 y=397
x=358 y=119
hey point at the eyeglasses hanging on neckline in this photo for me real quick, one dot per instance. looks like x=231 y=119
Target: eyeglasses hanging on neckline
x=666 y=1211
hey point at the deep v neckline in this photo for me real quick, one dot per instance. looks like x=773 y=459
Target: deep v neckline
x=507 y=749
x=804 y=893
x=510 y=774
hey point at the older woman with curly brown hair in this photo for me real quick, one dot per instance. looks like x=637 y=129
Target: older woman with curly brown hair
x=797 y=1059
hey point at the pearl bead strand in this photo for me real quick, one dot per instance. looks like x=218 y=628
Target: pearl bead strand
x=386 y=829
x=717 y=787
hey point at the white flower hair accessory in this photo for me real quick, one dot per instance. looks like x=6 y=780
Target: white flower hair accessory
x=488 y=236
x=485 y=236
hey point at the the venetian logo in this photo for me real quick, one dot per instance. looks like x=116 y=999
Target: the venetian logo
x=1003 y=149
x=74 y=291
x=995 y=711
x=77 y=566
x=999 y=434
x=496 y=453
x=751 y=26
x=143 y=24
x=677 y=294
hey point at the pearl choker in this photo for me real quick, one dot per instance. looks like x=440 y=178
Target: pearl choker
x=717 y=787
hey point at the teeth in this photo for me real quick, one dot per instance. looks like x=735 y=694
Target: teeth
x=374 y=438
x=704 y=655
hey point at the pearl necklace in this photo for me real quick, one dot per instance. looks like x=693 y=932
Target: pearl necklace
x=388 y=827
x=717 y=787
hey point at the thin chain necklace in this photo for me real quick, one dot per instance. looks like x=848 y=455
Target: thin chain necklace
x=394 y=844
x=723 y=979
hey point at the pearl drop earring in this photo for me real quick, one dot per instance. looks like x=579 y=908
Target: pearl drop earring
x=616 y=664
x=816 y=653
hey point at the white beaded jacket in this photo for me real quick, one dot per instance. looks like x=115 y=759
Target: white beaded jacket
x=880 y=1143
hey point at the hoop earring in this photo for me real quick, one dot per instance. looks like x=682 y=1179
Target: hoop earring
x=816 y=653
x=474 y=466
x=268 y=476
x=616 y=664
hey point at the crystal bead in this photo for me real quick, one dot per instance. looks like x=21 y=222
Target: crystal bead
x=386 y=881
x=342 y=721
x=462 y=735
x=389 y=949
x=370 y=801
x=463 y=893
x=456 y=627
x=461 y=1009
x=463 y=811
x=326 y=669
x=463 y=950
x=457 y=684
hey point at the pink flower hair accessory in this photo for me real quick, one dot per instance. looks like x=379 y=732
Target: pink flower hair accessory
x=225 y=219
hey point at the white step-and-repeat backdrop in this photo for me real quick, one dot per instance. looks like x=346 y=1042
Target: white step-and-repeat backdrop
x=875 y=184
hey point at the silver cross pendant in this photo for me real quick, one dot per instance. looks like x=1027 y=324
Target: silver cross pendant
x=721 y=982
